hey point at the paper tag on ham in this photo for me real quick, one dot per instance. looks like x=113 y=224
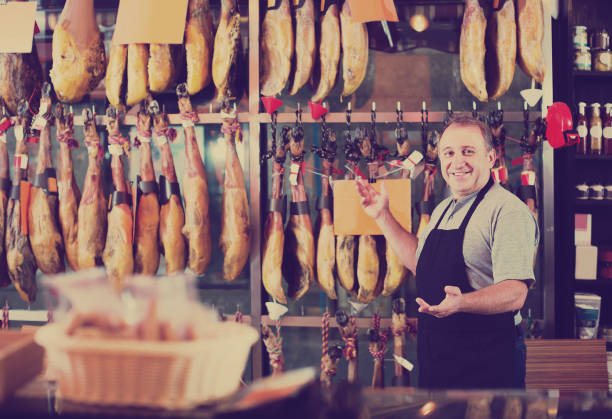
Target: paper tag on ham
x=403 y=362
x=19 y=133
x=39 y=123
x=293 y=174
x=528 y=178
x=115 y=149
x=187 y=123
x=412 y=160
x=275 y=310
x=20 y=161
x=500 y=174
x=3 y=137
x=160 y=140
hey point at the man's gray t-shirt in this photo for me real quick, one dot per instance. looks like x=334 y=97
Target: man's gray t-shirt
x=500 y=239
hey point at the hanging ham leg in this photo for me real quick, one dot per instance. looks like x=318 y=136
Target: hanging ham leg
x=20 y=76
x=198 y=45
x=305 y=47
x=346 y=245
x=69 y=193
x=326 y=241
x=501 y=50
x=235 y=240
x=161 y=69
x=396 y=270
x=171 y=213
x=226 y=50
x=146 y=253
x=117 y=255
x=472 y=50
x=496 y=123
x=20 y=259
x=329 y=53
x=276 y=49
x=43 y=217
x=115 y=85
x=197 y=221
x=298 y=253
x=5 y=188
x=92 y=218
x=354 y=50
x=427 y=203
x=79 y=61
x=137 y=75
x=377 y=345
x=530 y=28
x=399 y=328
x=274 y=235
x=368 y=262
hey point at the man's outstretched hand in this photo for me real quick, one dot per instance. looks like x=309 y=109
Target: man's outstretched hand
x=374 y=203
x=450 y=305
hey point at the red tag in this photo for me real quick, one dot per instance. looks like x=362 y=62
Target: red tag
x=32 y=140
x=36 y=30
x=337 y=171
x=500 y=174
x=528 y=178
x=24 y=203
x=5 y=124
x=316 y=110
x=517 y=161
x=271 y=103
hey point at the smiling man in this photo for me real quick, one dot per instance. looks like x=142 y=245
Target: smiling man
x=473 y=266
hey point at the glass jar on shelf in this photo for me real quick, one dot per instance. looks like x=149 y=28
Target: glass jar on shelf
x=581 y=127
x=595 y=129
x=582 y=58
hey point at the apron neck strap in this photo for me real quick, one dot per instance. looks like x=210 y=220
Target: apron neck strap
x=479 y=197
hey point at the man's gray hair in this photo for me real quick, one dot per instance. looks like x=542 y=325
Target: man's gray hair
x=468 y=120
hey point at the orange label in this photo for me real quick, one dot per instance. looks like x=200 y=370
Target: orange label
x=52 y=184
x=24 y=205
x=150 y=22
x=373 y=10
x=322 y=5
x=17 y=26
x=351 y=219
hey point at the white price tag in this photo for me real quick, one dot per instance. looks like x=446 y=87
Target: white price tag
x=19 y=133
x=115 y=149
x=275 y=310
x=3 y=137
x=39 y=122
x=413 y=159
x=160 y=140
x=331 y=181
x=187 y=123
x=403 y=362
x=293 y=174
x=20 y=161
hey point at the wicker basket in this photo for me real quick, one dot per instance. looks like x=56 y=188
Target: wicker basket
x=170 y=375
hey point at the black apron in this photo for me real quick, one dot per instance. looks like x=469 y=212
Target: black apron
x=463 y=350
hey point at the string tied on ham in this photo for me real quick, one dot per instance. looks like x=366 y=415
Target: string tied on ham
x=5 y=315
x=66 y=136
x=324 y=338
x=233 y=128
x=167 y=133
x=274 y=347
x=93 y=144
x=118 y=144
x=190 y=116
x=142 y=136
x=382 y=338
x=350 y=342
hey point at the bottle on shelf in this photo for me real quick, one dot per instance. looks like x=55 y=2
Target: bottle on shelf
x=607 y=129
x=581 y=127
x=595 y=129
